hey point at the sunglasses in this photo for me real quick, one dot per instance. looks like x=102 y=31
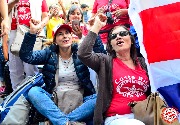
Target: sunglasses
x=121 y=33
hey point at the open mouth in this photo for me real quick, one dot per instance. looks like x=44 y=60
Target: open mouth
x=120 y=43
x=65 y=41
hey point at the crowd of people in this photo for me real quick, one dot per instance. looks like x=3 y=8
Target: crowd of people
x=91 y=54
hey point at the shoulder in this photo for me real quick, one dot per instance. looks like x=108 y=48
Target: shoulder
x=104 y=58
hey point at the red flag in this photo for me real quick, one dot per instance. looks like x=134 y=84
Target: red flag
x=157 y=23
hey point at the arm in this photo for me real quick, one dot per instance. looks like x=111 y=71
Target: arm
x=4 y=9
x=45 y=19
x=26 y=52
x=11 y=5
x=63 y=9
x=85 y=51
x=5 y=46
x=44 y=16
x=93 y=13
x=91 y=20
x=4 y=14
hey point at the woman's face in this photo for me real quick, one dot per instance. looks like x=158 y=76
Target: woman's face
x=120 y=40
x=63 y=38
x=76 y=15
x=55 y=10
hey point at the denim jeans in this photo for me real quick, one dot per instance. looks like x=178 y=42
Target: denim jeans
x=127 y=119
x=43 y=103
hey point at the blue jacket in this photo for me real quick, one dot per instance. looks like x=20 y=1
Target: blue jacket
x=49 y=58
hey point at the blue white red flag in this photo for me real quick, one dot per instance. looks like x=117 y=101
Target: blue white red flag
x=157 y=23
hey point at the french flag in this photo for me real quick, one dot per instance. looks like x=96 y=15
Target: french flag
x=157 y=23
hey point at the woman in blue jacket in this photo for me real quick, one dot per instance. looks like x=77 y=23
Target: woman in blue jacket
x=72 y=75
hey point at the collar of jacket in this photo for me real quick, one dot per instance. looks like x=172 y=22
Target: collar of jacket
x=55 y=47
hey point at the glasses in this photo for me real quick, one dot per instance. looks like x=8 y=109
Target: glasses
x=75 y=3
x=121 y=33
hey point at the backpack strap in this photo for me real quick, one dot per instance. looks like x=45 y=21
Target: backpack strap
x=57 y=71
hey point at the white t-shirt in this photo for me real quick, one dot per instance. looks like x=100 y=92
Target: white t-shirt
x=67 y=79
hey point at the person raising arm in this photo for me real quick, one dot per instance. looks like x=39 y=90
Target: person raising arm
x=122 y=75
x=73 y=76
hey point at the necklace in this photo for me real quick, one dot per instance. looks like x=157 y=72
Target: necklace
x=65 y=63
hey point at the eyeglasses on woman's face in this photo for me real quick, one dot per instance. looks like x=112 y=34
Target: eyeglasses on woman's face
x=74 y=3
x=121 y=33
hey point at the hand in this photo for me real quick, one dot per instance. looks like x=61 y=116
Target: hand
x=100 y=10
x=120 y=12
x=4 y=27
x=117 y=12
x=60 y=2
x=99 y=22
x=91 y=21
x=77 y=31
x=35 y=26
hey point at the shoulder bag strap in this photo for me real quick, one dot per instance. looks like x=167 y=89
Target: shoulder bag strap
x=57 y=71
x=109 y=3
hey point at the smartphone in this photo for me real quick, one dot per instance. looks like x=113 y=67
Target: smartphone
x=75 y=22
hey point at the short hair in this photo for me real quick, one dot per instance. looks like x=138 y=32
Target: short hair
x=72 y=9
x=84 y=5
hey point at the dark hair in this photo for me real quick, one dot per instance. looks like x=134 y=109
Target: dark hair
x=110 y=50
x=72 y=9
x=84 y=5
x=50 y=7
